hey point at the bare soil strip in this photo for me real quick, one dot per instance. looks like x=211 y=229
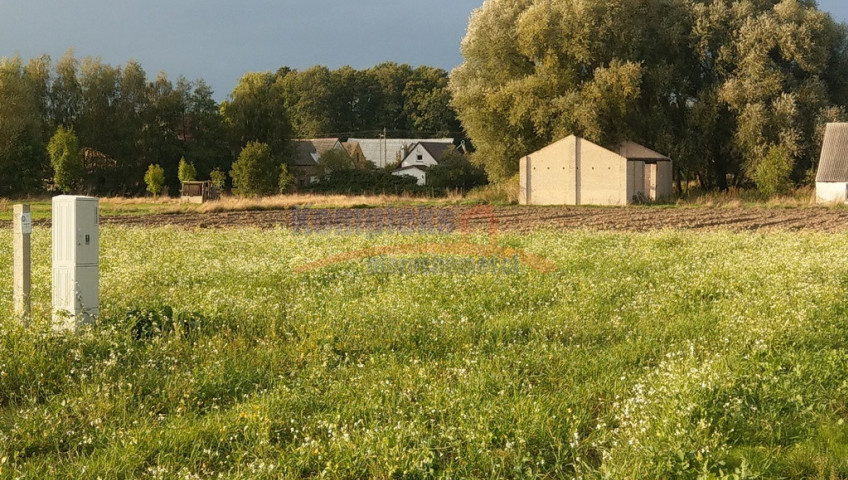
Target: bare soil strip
x=526 y=219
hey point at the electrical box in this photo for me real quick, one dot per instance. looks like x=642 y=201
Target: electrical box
x=76 y=261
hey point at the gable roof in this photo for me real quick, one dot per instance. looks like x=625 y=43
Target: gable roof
x=308 y=151
x=436 y=150
x=833 y=163
x=634 y=151
x=382 y=152
x=351 y=147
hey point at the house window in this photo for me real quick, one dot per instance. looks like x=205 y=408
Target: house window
x=419 y=157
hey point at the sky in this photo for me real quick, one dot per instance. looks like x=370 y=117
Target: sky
x=220 y=40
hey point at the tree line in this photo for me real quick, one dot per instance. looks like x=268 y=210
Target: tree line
x=737 y=93
x=86 y=126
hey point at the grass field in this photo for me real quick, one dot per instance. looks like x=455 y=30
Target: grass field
x=656 y=355
x=112 y=206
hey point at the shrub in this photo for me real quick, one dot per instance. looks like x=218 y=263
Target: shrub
x=773 y=173
x=219 y=179
x=155 y=179
x=455 y=172
x=252 y=171
x=66 y=159
x=186 y=172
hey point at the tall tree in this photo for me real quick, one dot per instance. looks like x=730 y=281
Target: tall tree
x=66 y=160
x=722 y=86
x=23 y=157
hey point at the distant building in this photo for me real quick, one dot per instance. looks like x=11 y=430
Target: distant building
x=574 y=171
x=420 y=157
x=832 y=174
x=307 y=156
x=387 y=151
x=355 y=151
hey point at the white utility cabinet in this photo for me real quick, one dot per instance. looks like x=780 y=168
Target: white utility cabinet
x=76 y=261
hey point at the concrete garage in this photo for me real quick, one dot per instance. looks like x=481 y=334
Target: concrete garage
x=832 y=175
x=575 y=171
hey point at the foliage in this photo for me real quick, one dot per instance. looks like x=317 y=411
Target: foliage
x=186 y=171
x=23 y=156
x=219 y=179
x=773 y=173
x=286 y=179
x=253 y=172
x=715 y=84
x=625 y=363
x=155 y=179
x=334 y=160
x=455 y=172
x=66 y=160
x=369 y=181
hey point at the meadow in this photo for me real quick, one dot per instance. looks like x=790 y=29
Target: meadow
x=667 y=354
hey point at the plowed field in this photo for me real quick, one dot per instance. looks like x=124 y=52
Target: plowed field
x=525 y=219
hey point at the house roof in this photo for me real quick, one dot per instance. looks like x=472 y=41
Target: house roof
x=435 y=149
x=385 y=151
x=634 y=151
x=351 y=147
x=308 y=151
x=833 y=164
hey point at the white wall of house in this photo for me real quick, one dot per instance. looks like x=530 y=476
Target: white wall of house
x=418 y=156
x=420 y=175
x=831 y=192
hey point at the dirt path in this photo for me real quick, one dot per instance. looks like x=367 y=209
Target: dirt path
x=524 y=219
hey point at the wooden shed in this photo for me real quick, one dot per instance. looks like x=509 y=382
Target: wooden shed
x=199 y=192
x=575 y=171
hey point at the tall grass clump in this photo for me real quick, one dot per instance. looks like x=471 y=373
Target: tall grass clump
x=651 y=355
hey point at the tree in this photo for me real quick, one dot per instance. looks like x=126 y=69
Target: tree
x=286 y=179
x=256 y=112
x=219 y=179
x=23 y=156
x=186 y=172
x=455 y=171
x=335 y=161
x=254 y=172
x=715 y=84
x=155 y=180
x=66 y=160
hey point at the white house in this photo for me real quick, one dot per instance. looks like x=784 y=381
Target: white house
x=832 y=175
x=420 y=157
x=417 y=171
x=386 y=151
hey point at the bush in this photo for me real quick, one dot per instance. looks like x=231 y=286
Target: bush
x=66 y=160
x=359 y=182
x=219 y=179
x=252 y=171
x=455 y=172
x=186 y=172
x=155 y=179
x=773 y=173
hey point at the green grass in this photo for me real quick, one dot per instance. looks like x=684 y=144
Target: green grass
x=658 y=355
x=41 y=208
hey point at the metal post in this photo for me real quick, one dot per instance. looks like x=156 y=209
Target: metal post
x=22 y=231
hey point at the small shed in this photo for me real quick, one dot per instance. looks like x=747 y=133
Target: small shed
x=575 y=171
x=199 y=192
x=832 y=174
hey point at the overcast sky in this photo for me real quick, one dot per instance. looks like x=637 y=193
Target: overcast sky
x=219 y=40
